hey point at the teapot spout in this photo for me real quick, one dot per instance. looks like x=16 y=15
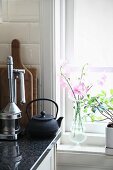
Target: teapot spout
x=59 y=121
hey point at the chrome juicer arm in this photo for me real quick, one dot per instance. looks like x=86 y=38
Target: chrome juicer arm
x=13 y=74
x=19 y=73
x=11 y=78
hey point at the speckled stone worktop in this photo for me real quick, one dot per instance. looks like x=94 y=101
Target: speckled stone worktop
x=25 y=153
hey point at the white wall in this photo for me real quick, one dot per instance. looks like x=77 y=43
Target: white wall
x=21 y=20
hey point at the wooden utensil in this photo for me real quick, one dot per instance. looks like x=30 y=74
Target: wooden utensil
x=30 y=84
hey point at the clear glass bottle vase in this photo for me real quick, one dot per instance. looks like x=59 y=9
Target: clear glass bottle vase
x=77 y=130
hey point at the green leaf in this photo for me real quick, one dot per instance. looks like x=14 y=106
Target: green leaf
x=85 y=110
x=94 y=109
x=92 y=118
x=110 y=108
x=111 y=92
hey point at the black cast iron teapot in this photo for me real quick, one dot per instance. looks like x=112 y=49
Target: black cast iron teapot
x=43 y=125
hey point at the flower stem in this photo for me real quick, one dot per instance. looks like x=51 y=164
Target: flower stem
x=67 y=80
x=78 y=119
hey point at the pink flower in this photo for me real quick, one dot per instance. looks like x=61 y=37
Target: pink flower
x=80 y=89
x=68 y=79
x=63 y=82
x=65 y=85
x=77 y=90
x=102 y=80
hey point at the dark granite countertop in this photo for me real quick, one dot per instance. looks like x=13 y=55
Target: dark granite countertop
x=25 y=153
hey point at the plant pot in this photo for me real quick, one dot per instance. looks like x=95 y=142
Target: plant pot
x=109 y=141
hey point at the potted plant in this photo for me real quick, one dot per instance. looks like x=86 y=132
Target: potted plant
x=103 y=104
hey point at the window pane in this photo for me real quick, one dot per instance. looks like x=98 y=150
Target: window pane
x=0 y=8
x=93 y=39
x=93 y=32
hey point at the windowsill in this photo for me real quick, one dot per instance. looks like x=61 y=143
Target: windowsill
x=91 y=154
x=81 y=149
x=0 y=20
x=93 y=140
x=86 y=157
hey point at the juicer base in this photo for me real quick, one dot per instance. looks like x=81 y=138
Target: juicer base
x=9 y=136
x=109 y=151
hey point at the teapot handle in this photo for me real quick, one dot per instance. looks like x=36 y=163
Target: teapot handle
x=27 y=107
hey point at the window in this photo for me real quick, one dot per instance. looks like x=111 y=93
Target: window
x=0 y=10
x=84 y=29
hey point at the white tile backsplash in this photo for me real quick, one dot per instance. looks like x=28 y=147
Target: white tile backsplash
x=4 y=53
x=28 y=33
x=21 y=21
x=21 y=10
x=4 y=10
x=30 y=54
x=10 y=31
x=34 y=32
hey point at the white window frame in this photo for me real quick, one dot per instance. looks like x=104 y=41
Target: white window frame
x=0 y=11
x=63 y=39
x=47 y=50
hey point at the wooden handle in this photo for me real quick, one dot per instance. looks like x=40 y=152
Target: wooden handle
x=15 y=48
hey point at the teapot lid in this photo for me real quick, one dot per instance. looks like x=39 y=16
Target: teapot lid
x=43 y=116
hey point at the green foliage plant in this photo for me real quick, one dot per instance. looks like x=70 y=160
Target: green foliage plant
x=100 y=103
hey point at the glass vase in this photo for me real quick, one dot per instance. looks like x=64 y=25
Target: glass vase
x=77 y=130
